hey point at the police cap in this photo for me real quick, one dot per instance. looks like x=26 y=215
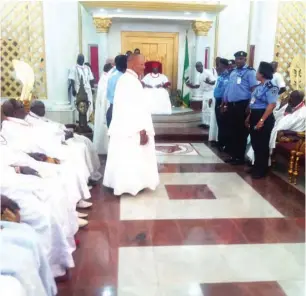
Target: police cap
x=224 y=62
x=266 y=70
x=240 y=54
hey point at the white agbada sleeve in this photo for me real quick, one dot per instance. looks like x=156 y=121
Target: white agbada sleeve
x=294 y=122
x=130 y=112
x=72 y=73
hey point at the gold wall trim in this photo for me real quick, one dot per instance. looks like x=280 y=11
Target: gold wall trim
x=201 y=28
x=251 y=15
x=102 y=24
x=22 y=38
x=216 y=38
x=156 y=5
x=289 y=50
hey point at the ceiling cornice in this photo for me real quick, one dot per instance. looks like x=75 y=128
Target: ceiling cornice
x=214 y=7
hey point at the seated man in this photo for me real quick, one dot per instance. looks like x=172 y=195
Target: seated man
x=36 y=278
x=293 y=118
x=156 y=89
x=36 y=118
x=23 y=136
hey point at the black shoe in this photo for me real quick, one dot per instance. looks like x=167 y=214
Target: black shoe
x=250 y=170
x=257 y=176
x=238 y=162
x=229 y=160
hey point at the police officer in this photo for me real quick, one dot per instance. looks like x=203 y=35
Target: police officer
x=237 y=97
x=261 y=119
x=219 y=90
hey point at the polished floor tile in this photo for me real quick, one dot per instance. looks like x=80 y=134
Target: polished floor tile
x=208 y=230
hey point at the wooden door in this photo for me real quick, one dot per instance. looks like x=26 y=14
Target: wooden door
x=162 y=47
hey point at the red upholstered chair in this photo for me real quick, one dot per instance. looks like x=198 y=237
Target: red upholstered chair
x=149 y=67
x=291 y=146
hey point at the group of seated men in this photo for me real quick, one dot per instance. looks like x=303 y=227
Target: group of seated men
x=47 y=172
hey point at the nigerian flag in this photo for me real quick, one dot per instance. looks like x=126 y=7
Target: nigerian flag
x=185 y=88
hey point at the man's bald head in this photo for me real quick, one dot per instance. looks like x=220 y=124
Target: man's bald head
x=14 y=108
x=8 y=109
x=136 y=63
x=80 y=59
x=199 y=67
x=296 y=97
x=38 y=108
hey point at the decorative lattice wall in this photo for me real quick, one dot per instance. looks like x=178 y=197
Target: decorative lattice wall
x=290 y=43
x=22 y=37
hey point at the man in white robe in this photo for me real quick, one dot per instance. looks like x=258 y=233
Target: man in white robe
x=21 y=135
x=279 y=81
x=23 y=236
x=204 y=88
x=293 y=119
x=41 y=218
x=156 y=91
x=75 y=74
x=100 y=137
x=36 y=117
x=291 y=116
x=131 y=163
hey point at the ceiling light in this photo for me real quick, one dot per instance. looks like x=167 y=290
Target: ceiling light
x=187 y=13
x=119 y=10
x=102 y=9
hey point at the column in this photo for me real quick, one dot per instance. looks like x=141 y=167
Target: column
x=201 y=29
x=102 y=26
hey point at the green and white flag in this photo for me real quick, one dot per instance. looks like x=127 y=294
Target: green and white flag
x=186 y=77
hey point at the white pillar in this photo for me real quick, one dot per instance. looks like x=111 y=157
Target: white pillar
x=61 y=51
x=102 y=25
x=201 y=29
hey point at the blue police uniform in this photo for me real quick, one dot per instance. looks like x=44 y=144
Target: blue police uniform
x=263 y=95
x=219 y=90
x=110 y=94
x=237 y=96
x=240 y=84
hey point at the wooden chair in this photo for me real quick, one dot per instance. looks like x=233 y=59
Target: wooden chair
x=291 y=145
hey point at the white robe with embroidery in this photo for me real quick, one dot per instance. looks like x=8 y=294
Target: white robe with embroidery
x=158 y=98
x=75 y=74
x=130 y=167
x=100 y=138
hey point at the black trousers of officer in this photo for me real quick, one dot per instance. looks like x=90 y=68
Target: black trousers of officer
x=222 y=124
x=260 y=140
x=238 y=133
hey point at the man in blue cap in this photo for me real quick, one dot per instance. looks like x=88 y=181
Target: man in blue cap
x=236 y=100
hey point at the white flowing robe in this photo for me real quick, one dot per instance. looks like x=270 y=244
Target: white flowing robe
x=130 y=167
x=25 y=238
x=23 y=136
x=80 y=143
x=75 y=74
x=213 y=127
x=100 y=138
x=60 y=196
x=36 y=197
x=158 y=98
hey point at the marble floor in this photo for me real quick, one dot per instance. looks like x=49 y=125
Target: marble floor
x=208 y=230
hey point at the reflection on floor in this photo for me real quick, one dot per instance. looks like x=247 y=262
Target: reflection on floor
x=209 y=230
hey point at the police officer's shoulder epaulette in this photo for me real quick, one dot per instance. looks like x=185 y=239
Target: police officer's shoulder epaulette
x=250 y=68
x=273 y=88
